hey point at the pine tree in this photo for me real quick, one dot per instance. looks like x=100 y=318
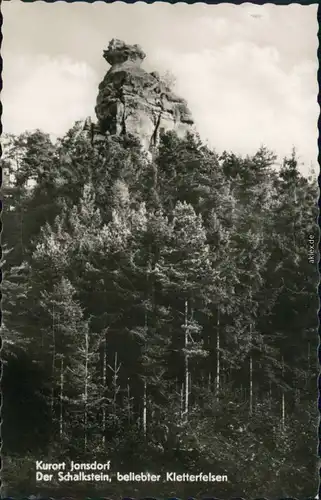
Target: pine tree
x=183 y=272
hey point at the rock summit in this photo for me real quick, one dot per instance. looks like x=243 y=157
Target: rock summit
x=131 y=100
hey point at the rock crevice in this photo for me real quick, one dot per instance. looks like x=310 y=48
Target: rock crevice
x=131 y=100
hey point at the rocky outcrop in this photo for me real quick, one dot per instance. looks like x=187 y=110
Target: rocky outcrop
x=131 y=100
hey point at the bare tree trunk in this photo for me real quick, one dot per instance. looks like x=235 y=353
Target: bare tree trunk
x=115 y=381
x=251 y=363
x=145 y=387
x=251 y=384
x=186 y=360
x=104 y=383
x=53 y=367
x=283 y=400
x=115 y=369
x=86 y=390
x=21 y=231
x=61 y=397
x=217 y=381
x=145 y=409
x=128 y=404
x=182 y=402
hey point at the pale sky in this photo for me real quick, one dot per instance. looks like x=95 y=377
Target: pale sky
x=248 y=73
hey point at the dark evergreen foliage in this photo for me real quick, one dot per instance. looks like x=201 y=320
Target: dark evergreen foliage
x=161 y=312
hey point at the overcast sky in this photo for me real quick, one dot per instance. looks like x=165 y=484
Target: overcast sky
x=249 y=73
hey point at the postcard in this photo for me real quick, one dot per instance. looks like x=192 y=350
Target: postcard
x=160 y=250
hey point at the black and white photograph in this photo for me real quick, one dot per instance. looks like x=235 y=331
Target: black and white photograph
x=159 y=250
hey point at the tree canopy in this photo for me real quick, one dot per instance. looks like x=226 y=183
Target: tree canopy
x=163 y=309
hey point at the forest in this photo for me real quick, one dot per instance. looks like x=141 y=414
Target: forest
x=158 y=311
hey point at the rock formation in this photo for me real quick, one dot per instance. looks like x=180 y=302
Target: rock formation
x=131 y=100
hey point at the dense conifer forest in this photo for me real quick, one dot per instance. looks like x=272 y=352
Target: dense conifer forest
x=160 y=312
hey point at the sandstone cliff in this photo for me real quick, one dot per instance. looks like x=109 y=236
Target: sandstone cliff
x=131 y=100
